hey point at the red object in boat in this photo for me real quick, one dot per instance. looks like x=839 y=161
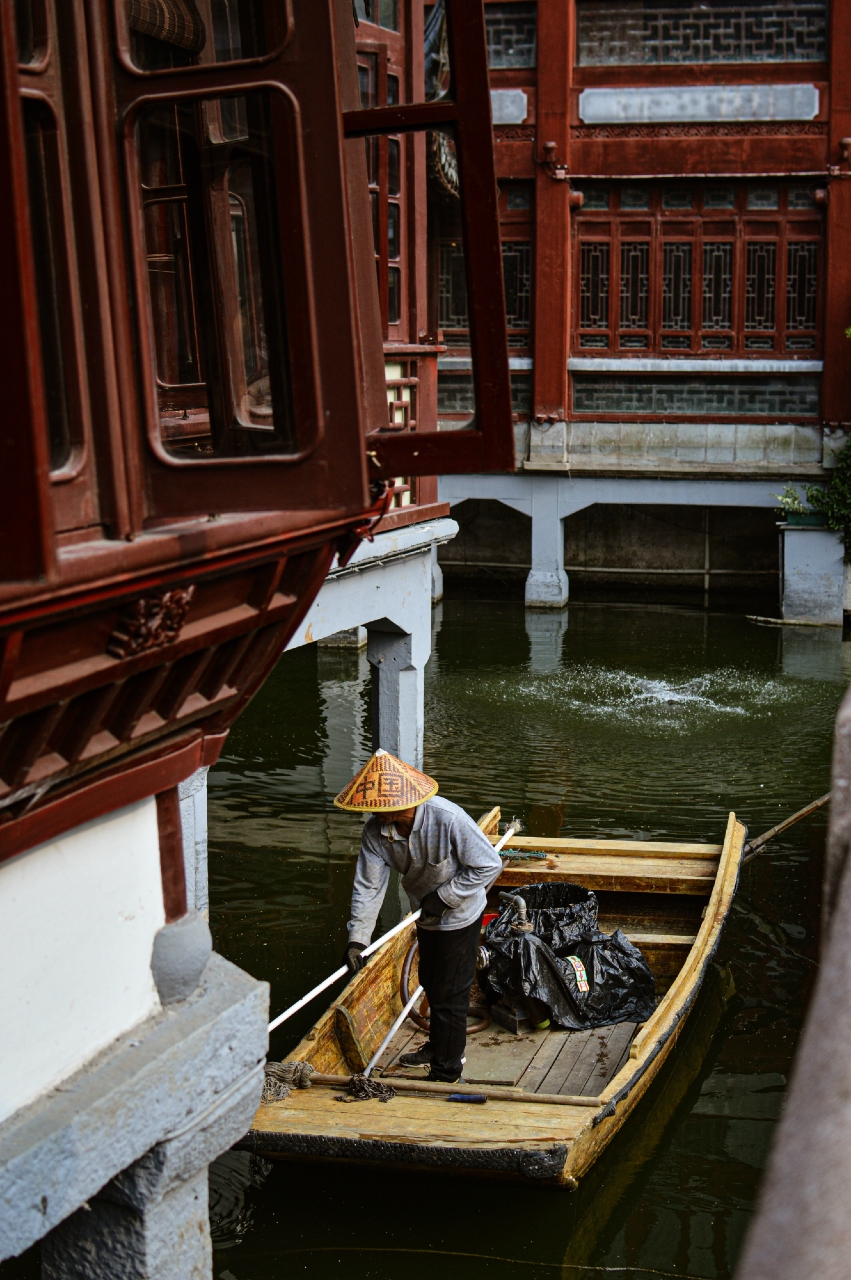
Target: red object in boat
x=487 y=917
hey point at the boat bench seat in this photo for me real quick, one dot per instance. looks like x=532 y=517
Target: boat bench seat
x=618 y=873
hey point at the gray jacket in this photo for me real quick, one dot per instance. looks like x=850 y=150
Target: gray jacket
x=445 y=851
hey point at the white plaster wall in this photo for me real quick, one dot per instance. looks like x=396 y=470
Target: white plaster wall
x=77 y=922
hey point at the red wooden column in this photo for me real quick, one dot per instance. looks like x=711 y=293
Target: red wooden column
x=171 y=854
x=552 y=214
x=836 y=383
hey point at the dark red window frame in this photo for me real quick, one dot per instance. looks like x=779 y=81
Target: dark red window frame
x=466 y=108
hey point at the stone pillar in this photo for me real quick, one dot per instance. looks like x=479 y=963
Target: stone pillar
x=193 y=819
x=151 y=1221
x=397 y=690
x=546 y=585
x=813 y=574
x=546 y=636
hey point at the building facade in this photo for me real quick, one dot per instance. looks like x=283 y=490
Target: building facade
x=674 y=183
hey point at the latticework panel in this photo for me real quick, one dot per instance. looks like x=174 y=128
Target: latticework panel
x=621 y=32
x=512 y=34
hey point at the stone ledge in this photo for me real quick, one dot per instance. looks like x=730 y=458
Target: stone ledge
x=666 y=469
x=161 y=1079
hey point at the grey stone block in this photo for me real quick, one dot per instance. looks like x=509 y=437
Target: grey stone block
x=750 y=443
x=180 y=955
x=548 y=443
x=521 y=443
x=164 y=1077
x=662 y=440
x=110 y=1241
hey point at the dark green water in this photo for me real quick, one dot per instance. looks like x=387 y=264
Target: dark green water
x=634 y=721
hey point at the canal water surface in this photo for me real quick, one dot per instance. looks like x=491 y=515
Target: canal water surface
x=604 y=721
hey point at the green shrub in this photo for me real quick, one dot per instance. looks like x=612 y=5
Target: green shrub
x=834 y=502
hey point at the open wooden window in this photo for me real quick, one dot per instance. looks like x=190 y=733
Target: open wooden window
x=448 y=115
x=249 y=392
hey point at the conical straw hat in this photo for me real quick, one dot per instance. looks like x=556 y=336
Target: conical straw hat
x=385 y=784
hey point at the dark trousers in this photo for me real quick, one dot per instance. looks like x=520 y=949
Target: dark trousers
x=447 y=967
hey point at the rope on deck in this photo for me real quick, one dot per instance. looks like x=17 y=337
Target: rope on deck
x=281 y=1077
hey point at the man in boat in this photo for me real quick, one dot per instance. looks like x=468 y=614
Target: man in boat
x=447 y=865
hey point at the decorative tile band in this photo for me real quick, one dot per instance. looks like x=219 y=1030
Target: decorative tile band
x=747 y=129
x=739 y=397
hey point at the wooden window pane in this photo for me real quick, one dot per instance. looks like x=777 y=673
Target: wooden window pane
x=635 y=285
x=517 y=278
x=717 y=295
x=394 y=166
x=46 y=225
x=453 y=291
x=31 y=25
x=760 y=286
x=676 y=286
x=215 y=277
x=394 y=230
x=394 y=295
x=594 y=277
x=801 y=285
x=174 y=33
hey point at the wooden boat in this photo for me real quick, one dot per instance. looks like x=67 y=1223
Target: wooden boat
x=555 y=1098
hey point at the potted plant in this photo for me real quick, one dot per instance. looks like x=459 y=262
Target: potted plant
x=795 y=509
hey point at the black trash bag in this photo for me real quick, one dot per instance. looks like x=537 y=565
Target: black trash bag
x=584 y=977
x=559 y=914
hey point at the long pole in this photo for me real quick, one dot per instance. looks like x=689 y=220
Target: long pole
x=391 y=1033
x=367 y=951
x=754 y=846
x=338 y=973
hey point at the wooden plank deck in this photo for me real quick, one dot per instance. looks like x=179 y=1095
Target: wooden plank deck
x=568 y=1062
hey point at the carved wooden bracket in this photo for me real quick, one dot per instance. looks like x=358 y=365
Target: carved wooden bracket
x=151 y=622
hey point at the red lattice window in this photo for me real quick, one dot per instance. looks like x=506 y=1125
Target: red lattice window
x=698 y=269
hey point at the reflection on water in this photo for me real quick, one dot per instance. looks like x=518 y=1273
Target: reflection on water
x=608 y=721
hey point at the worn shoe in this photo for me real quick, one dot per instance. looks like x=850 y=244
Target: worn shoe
x=419 y=1058
x=442 y=1079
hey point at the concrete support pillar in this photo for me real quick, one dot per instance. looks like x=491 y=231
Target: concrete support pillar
x=398 y=690
x=546 y=637
x=193 y=820
x=813 y=574
x=144 y=1225
x=546 y=585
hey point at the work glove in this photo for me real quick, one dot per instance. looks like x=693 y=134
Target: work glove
x=352 y=958
x=433 y=905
